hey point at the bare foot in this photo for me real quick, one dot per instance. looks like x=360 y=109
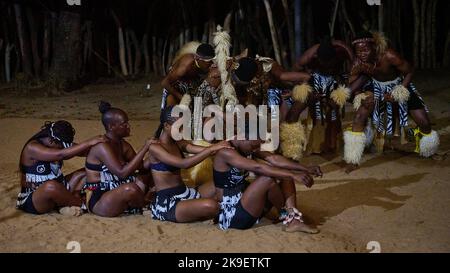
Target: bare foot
x=298 y=226
x=350 y=168
x=71 y=211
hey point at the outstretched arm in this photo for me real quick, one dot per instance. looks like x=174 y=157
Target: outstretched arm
x=189 y=147
x=306 y=58
x=233 y=158
x=159 y=153
x=42 y=153
x=282 y=162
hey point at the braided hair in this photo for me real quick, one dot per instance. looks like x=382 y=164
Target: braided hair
x=60 y=131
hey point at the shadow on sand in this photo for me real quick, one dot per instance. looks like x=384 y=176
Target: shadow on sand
x=320 y=205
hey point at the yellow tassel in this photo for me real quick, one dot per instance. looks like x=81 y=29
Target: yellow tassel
x=340 y=95
x=301 y=92
x=293 y=140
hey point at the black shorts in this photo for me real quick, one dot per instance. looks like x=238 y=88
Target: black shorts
x=242 y=219
x=164 y=206
x=28 y=206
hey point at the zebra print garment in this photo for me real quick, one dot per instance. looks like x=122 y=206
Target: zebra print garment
x=274 y=98
x=184 y=87
x=109 y=181
x=209 y=94
x=383 y=114
x=163 y=208
x=323 y=86
x=36 y=176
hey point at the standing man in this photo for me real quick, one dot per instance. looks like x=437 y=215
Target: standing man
x=386 y=79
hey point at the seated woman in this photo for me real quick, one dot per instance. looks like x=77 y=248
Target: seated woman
x=242 y=204
x=44 y=187
x=174 y=201
x=111 y=187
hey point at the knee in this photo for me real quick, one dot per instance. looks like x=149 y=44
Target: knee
x=132 y=191
x=52 y=187
x=211 y=207
x=268 y=180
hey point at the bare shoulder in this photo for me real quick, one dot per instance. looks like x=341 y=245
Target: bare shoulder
x=155 y=147
x=312 y=50
x=186 y=61
x=181 y=66
x=392 y=55
x=34 y=144
x=127 y=146
x=227 y=153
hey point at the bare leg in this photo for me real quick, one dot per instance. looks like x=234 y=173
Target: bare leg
x=255 y=196
x=196 y=210
x=422 y=120
x=113 y=203
x=207 y=190
x=76 y=182
x=332 y=131
x=53 y=194
x=296 y=110
x=361 y=116
x=290 y=196
x=284 y=110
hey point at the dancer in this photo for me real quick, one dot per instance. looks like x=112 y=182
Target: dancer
x=44 y=187
x=382 y=81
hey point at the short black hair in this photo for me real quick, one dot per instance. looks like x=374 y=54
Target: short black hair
x=165 y=116
x=205 y=51
x=108 y=112
x=246 y=70
x=326 y=50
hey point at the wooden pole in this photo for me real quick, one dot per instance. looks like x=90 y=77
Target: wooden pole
x=298 y=28
x=122 y=57
x=333 y=21
x=24 y=46
x=273 y=33
x=291 y=33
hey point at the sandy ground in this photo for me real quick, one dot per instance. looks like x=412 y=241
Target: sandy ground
x=396 y=199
